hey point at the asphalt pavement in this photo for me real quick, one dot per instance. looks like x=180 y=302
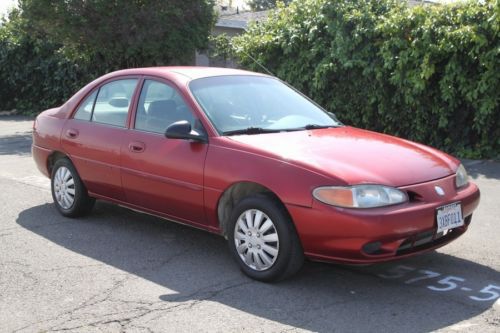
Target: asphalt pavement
x=119 y=270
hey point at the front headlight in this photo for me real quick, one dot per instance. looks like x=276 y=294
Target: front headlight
x=360 y=196
x=462 y=178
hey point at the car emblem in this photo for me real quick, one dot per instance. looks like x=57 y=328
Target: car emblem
x=439 y=190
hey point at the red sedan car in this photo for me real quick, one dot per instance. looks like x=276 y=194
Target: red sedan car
x=246 y=156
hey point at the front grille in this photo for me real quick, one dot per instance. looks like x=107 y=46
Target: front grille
x=429 y=238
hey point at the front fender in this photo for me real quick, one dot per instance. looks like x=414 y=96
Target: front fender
x=226 y=166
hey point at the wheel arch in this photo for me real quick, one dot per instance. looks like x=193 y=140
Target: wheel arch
x=233 y=194
x=53 y=157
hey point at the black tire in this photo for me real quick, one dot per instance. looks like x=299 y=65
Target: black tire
x=82 y=203
x=290 y=257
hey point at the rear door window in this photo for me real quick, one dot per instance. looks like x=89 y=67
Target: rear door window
x=113 y=101
x=84 y=112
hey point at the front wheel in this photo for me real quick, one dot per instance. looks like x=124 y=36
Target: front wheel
x=68 y=191
x=263 y=239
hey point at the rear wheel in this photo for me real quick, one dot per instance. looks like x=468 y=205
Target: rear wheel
x=263 y=239
x=68 y=191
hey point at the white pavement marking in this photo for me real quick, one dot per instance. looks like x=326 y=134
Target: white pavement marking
x=36 y=181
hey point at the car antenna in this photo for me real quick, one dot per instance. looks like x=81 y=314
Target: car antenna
x=254 y=60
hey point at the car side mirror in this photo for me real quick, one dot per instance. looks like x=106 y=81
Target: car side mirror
x=182 y=130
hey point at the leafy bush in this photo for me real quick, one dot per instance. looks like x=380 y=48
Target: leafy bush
x=257 y=5
x=427 y=73
x=123 y=33
x=51 y=48
x=34 y=74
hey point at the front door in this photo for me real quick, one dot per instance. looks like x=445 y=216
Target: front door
x=160 y=174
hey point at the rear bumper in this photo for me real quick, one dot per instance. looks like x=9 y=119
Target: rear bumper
x=357 y=236
x=41 y=156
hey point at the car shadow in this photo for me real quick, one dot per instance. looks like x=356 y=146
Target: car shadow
x=18 y=144
x=323 y=298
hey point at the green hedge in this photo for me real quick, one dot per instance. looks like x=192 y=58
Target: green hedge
x=51 y=48
x=427 y=73
x=34 y=74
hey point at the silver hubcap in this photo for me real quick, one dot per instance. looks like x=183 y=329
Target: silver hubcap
x=64 y=187
x=256 y=239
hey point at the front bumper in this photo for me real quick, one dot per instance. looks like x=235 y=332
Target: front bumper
x=360 y=236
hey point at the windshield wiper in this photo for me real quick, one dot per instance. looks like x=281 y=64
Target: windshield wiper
x=316 y=126
x=250 y=130
x=260 y=130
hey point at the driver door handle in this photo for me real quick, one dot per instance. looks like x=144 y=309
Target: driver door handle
x=136 y=147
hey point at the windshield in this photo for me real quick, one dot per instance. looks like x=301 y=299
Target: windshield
x=256 y=104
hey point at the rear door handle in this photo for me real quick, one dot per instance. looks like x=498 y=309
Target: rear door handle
x=72 y=133
x=137 y=147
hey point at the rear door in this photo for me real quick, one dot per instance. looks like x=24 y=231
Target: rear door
x=94 y=135
x=160 y=174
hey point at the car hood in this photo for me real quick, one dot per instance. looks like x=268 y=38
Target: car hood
x=353 y=156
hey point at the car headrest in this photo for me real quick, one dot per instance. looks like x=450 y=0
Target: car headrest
x=162 y=108
x=118 y=102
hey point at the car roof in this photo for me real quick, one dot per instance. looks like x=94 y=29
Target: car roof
x=180 y=74
x=188 y=72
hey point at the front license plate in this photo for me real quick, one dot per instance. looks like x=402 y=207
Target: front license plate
x=449 y=217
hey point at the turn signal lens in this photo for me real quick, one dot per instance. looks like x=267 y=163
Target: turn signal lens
x=337 y=196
